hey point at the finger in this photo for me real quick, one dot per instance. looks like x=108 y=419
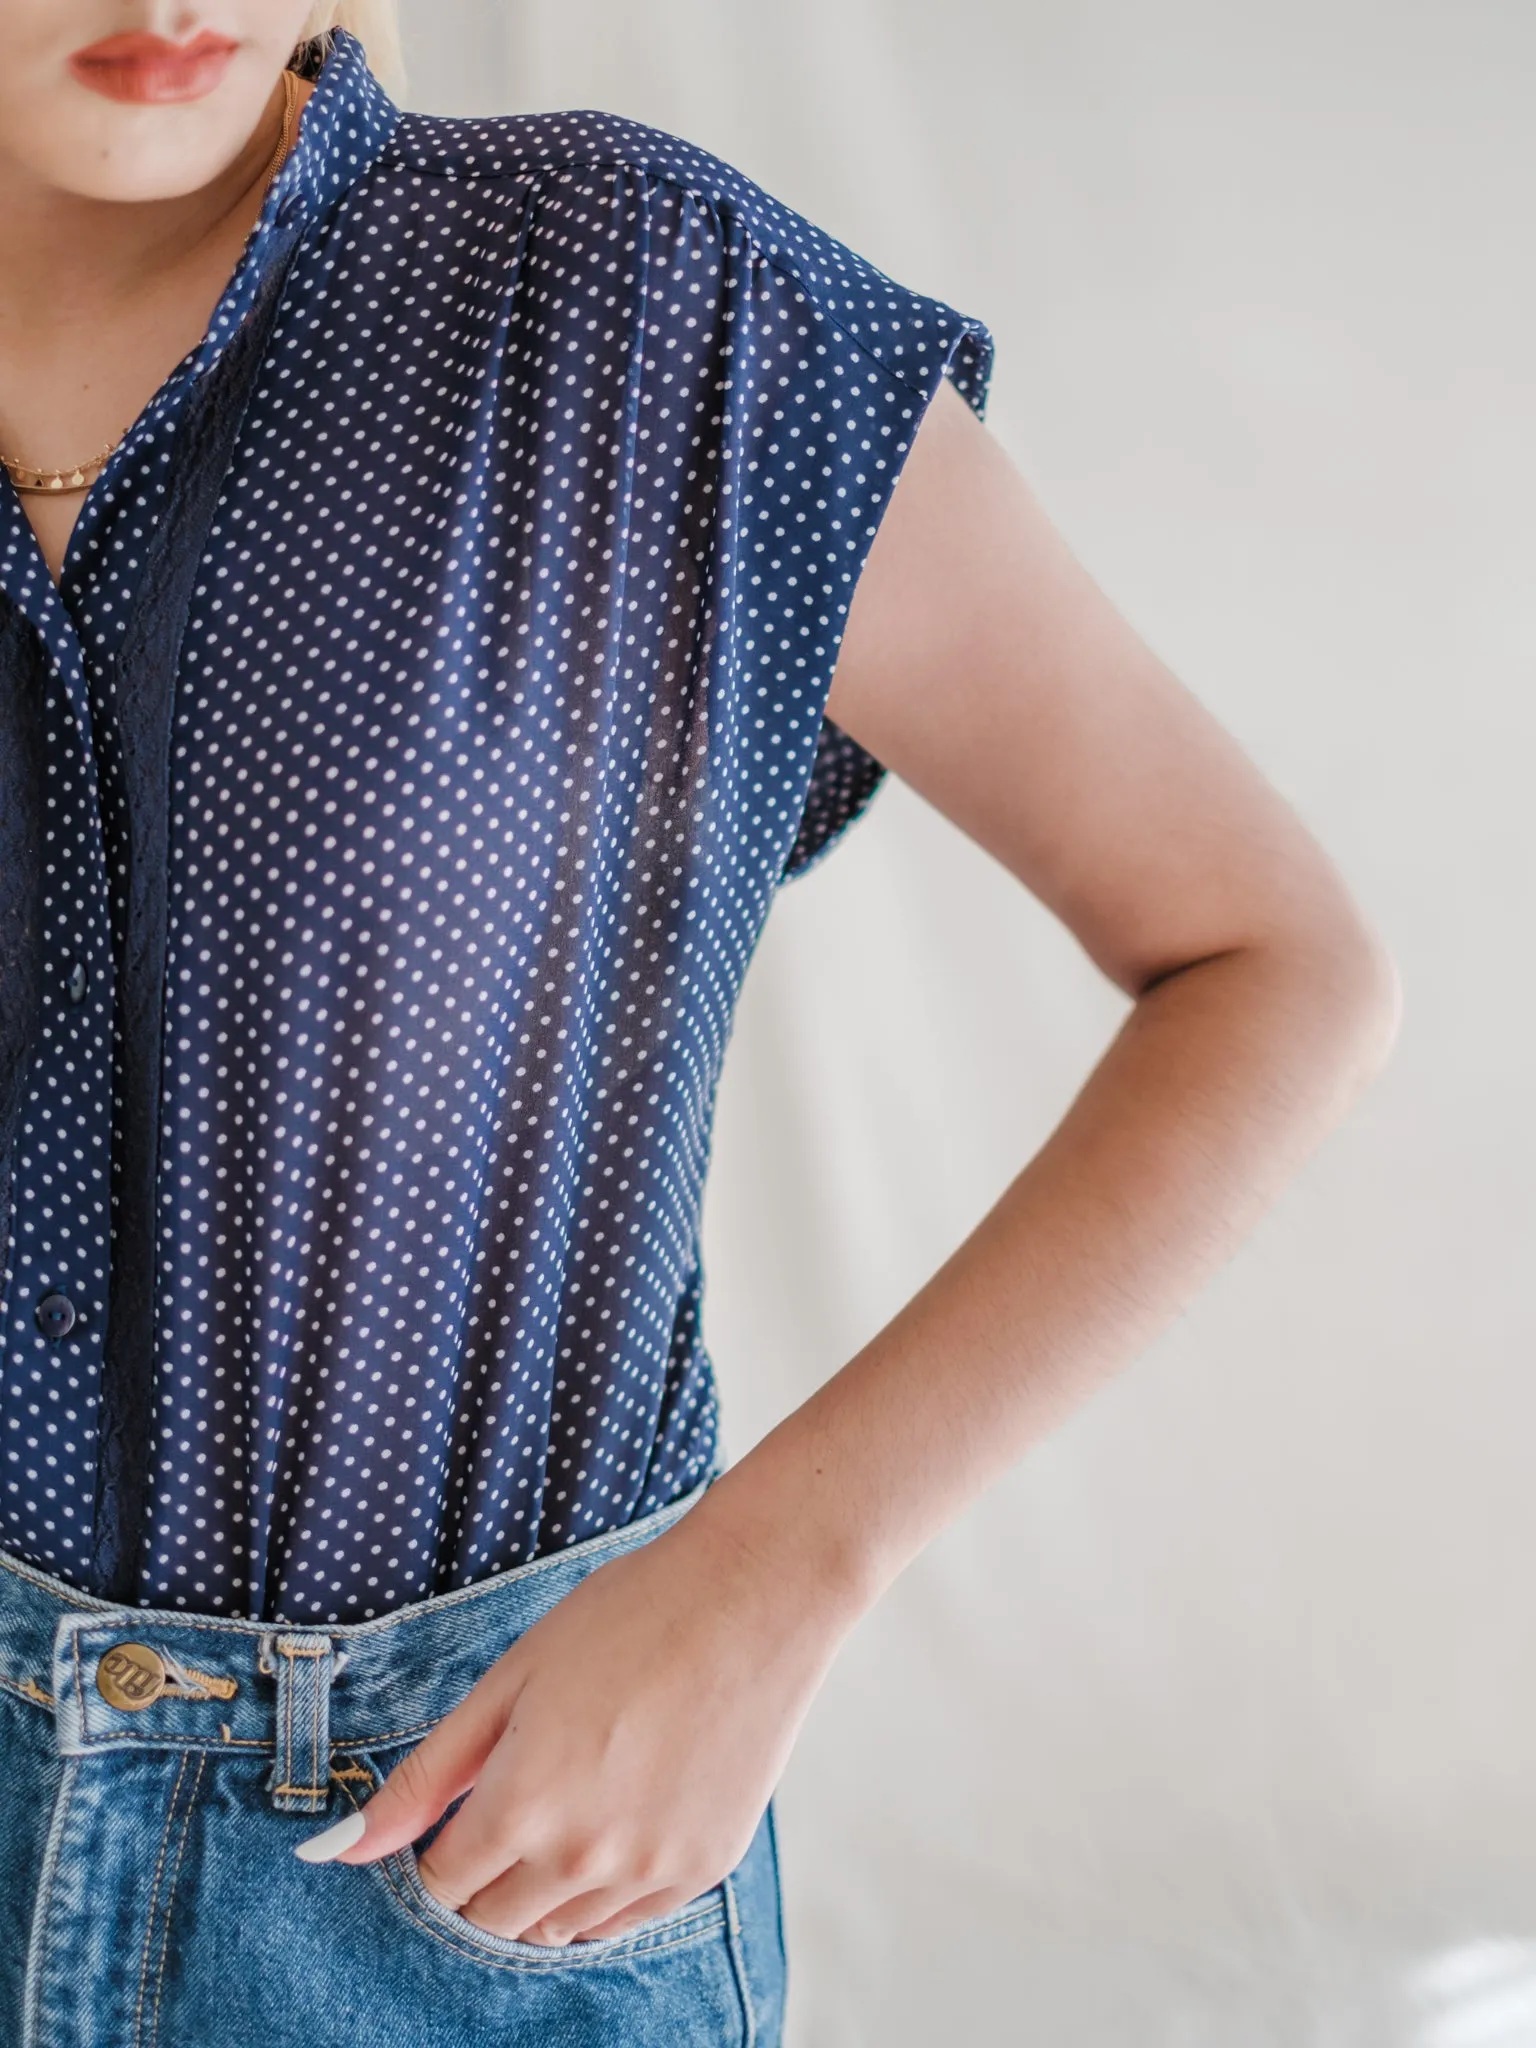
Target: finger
x=432 y=1774
x=487 y=1835
x=635 y=1914
x=530 y=1894
x=564 y=1924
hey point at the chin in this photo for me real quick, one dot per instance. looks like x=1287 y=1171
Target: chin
x=135 y=154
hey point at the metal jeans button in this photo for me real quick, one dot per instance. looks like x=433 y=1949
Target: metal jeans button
x=130 y=1676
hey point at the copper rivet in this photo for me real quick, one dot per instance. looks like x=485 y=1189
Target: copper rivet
x=130 y=1676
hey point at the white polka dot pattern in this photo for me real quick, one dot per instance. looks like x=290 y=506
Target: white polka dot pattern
x=498 y=719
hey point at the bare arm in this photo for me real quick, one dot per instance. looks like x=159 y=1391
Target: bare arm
x=984 y=666
x=622 y=1752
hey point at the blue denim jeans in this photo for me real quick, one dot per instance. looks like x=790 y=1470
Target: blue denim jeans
x=151 y=1795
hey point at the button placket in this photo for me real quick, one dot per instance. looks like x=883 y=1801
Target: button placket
x=60 y=1229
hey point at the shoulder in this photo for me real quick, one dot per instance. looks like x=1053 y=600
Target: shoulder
x=546 y=146
x=577 y=156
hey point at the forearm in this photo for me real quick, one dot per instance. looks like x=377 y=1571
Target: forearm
x=622 y=1751
x=1223 y=1079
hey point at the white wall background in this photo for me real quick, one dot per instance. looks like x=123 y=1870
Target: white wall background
x=1213 y=1726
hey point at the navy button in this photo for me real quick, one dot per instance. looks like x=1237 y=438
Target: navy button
x=56 y=1316
x=290 y=210
x=79 y=982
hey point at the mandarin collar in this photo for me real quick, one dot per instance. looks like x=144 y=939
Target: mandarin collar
x=345 y=125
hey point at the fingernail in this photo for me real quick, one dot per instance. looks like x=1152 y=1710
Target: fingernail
x=331 y=1841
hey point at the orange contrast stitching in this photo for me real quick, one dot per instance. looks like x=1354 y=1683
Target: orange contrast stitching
x=28 y=1688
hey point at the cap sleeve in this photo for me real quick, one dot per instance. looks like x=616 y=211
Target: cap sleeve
x=864 y=443
x=826 y=368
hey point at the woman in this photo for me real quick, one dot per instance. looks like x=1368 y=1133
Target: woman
x=453 y=571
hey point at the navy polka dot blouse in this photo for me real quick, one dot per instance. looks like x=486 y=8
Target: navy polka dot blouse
x=392 y=793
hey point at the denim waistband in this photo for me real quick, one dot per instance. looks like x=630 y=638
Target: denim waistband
x=147 y=1678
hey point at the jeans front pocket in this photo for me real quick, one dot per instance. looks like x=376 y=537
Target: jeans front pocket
x=678 y=1981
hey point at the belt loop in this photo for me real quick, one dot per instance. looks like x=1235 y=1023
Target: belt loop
x=300 y=1778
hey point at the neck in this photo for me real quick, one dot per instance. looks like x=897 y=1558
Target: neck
x=64 y=257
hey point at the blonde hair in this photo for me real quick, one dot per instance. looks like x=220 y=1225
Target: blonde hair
x=376 y=26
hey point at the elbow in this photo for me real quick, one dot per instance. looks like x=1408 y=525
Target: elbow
x=1357 y=982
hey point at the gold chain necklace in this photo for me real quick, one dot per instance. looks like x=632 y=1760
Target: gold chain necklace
x=78 y=476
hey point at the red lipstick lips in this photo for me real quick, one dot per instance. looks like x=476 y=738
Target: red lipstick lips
x=151 y=70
